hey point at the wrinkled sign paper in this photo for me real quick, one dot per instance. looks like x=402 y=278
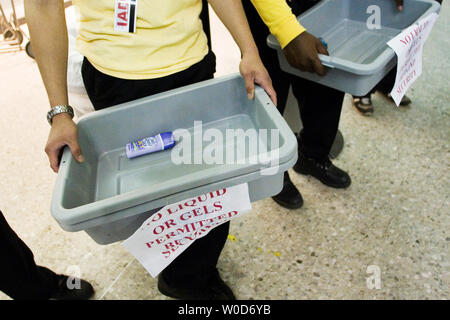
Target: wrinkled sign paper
x=408 y=46
x=171 y=230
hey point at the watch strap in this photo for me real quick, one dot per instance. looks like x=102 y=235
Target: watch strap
x=58 y=110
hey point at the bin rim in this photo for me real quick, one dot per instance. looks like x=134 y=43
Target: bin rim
x=88 y=211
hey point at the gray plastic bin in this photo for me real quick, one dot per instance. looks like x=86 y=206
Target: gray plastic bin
x=359 y=57
x=110 y=196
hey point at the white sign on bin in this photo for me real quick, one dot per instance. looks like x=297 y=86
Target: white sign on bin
x=170 y=231
x=408 y=46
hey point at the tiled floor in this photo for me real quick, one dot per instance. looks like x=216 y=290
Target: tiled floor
x=395 y=215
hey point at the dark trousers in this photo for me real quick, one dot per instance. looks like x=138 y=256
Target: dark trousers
x=319 y=106
x=20 y=277
x=192 y=267
x=387 y=83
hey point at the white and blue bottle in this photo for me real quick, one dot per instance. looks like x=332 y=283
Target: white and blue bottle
x=156 y=143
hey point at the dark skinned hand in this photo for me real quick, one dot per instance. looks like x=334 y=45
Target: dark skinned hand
x=302 y=53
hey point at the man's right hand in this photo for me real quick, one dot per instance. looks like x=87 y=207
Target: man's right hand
x=63 y=132
x=302 y=53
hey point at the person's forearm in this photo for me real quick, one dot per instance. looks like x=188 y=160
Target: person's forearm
x=278 y=17
x=48 y=31
x=232 y=15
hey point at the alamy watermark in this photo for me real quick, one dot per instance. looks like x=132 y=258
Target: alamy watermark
x=374 y=280
x=374 y=20
x=74 y=277
x=212 y=146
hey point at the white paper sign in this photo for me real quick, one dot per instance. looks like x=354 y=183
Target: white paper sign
x=167 y=233
x=408 y=46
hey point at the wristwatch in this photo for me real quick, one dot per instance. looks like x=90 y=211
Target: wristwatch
x=57 y=110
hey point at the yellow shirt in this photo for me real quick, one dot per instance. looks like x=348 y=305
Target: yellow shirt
x=169 y=36
x=280 y=20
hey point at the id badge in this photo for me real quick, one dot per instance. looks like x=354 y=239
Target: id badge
x=125 y=15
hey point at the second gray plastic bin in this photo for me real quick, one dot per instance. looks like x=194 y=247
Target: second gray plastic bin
x=110 y=196
x=359 y=57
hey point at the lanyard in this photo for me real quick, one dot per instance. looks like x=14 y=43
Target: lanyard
x=125 y=15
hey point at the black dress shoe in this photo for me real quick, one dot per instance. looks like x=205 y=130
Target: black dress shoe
x=216 y=290
x=63 y=292
x=324 y=171
x=289 y=197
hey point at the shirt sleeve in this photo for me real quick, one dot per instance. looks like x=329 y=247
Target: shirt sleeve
x=280 y=20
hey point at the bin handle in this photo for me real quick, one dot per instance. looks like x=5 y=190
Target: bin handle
x=326 y=61
x=325 y=64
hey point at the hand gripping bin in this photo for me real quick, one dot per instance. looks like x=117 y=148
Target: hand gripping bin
x=358 y=56
x=110 y=196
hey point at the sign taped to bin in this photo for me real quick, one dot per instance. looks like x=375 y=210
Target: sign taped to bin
x=170 y=231
x=408 y=46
